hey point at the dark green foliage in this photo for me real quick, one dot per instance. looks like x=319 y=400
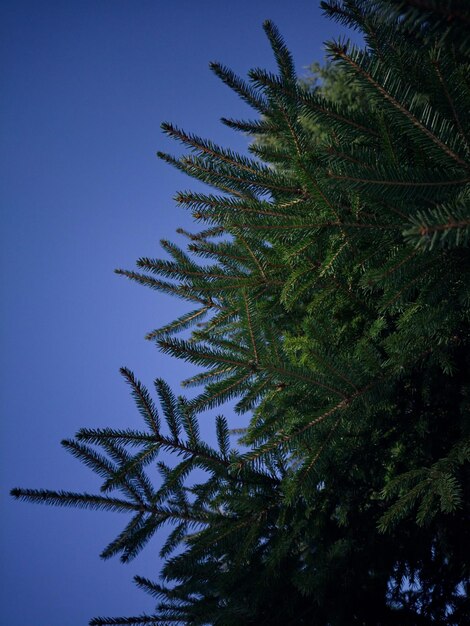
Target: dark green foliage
x=332 y=294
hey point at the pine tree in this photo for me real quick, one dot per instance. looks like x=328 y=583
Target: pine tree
x=329 y=294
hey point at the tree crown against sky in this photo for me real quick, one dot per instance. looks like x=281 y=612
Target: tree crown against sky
x=328 y=297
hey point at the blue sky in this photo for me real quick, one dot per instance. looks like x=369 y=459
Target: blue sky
x=84 y=88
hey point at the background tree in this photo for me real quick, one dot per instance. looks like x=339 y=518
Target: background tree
x=328 y=295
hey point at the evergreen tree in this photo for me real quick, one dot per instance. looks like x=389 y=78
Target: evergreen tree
x=330 y=294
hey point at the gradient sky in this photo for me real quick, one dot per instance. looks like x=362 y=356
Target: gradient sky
x=85 y=85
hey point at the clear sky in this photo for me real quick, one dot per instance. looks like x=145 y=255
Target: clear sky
x=85 y=85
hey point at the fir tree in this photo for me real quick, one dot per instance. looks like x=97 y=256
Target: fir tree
x=329 y=293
